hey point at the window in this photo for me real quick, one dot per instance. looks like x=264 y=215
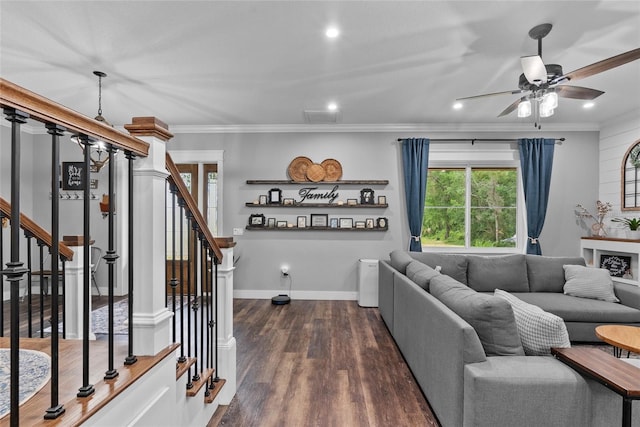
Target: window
x=189 y=175
x=211 y=197
x=471 y=208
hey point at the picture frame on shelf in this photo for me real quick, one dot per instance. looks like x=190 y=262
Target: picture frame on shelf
x=281 y=224
x=366 y=196
x=346 y=222
x=262 y=200
x=271 y=222
x=275 y=196
x=360 y=224
x=288 y=202
x=381 y=222
x=369 y=223
x=302 y=222
x=319 y=220
x=352 y=202
x=618 y=265
x=333 y=223
x=382 y=200
x=257 y=220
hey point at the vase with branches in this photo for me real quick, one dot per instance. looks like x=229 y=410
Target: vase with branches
x=602 y=209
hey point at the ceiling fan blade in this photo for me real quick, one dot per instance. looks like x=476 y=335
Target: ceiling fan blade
x=512 y=107
x=506 y=92
x=600 y=66
x=577 y=92
x=534 y=69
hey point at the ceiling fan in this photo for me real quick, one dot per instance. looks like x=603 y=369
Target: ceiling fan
x=543 y=83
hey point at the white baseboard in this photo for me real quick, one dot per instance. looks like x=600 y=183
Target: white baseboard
x=300 y=295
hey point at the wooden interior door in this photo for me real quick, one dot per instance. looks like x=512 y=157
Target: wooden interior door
x=189 y=173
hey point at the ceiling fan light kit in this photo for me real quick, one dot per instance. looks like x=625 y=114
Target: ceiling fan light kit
x=544 y=82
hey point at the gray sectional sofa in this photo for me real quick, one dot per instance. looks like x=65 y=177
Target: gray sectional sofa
x=478 y=376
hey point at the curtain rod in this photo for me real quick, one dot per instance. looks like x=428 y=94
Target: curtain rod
x=474 y=140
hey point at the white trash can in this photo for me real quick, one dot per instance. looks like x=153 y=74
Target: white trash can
x=368 y=283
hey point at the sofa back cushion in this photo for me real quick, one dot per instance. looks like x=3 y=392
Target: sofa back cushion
x=490 y=316
x=546 y=274
x=488 y=273
x=453 y=265
x=399 y=260
x=421 y=274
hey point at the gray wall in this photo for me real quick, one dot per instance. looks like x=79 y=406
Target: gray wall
x=325 y=262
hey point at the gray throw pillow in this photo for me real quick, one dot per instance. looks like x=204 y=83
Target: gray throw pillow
x=589 y=282
x=490 y=316
x=539 y=330
x=453 y=265
x=421 y=274
x=400 y=259
x=487 y=273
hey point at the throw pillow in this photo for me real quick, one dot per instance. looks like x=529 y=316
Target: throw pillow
x=491 y=317
x=421 y=274
x=400 y=260
x=454 y=265
x=589 y=282
x=538 y=329
x=487 y=273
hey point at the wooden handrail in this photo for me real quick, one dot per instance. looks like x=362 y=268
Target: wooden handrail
x=38 y=232
x=44 y=110
x=176 y=179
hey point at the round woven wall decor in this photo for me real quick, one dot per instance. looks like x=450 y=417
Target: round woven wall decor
x=316 y=172
x=298 y=168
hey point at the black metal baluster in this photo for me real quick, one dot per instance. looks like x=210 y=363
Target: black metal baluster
x=15 y=270
x=110 y=258
x=29 y=236
x=41 y=275
x=64 y=297
x=196 y=302
x=174 y=281
x=206 y=282
x=189 y=302
x=56 y=408
x=203 y=275
x=182 y=357
x=216 y=262
x=130 y=359
x=86 y=389
x=2 y=217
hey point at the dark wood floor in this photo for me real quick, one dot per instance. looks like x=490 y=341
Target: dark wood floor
x=319 y=363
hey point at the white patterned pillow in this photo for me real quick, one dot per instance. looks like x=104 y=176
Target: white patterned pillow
x=588 y=282
x=538 y=329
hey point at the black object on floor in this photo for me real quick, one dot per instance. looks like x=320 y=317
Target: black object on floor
x=280 y=299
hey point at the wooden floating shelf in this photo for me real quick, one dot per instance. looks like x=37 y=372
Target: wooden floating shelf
x=345 y=182
x=251 y=227
x=315 y=205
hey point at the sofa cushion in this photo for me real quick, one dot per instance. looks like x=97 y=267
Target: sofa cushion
x=588 y=282
x=538 y=330
x=490 y=316
x=546 y=274
x=421 y=274
x=507 y=272
x=453 y=265
x=574 y=309
x=400 y=260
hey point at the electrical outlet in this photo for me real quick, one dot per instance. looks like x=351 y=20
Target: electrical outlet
x=238 y=231
x=284 y=270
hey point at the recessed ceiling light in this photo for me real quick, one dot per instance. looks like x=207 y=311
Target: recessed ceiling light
x=332 y=106
x=457 y=106
x=332 y=32
x=588 y=105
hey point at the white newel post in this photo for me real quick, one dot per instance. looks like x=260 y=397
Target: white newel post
x=74 y=292
x=151 y=319
x=226 y=340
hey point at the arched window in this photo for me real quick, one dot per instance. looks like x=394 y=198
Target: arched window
x=631 y=178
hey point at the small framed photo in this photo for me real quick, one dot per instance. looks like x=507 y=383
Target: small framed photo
x=382 y=222
x=346 y=222
x=319 y=220
x=275 y=196
x=360 y=224
x=288 y=202
x=382 y=200
x=369 y=223
x=281 y=224
x=263 y=199
x=366 y=196
x=333 y=223
x=73 y=175
x=271 y=222
x=257 y=220
x=302 y=222
x=351 y=202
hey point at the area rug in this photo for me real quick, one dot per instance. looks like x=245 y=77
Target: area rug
x=34 y=374
x=100 y=317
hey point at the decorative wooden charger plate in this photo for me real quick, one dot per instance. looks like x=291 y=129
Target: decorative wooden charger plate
x=333 y=169
x=316 y=172
x=298 y=168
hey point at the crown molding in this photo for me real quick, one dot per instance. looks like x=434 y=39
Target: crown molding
x=362 y=128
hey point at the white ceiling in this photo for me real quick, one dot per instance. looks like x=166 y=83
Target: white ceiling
x=246 y=63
